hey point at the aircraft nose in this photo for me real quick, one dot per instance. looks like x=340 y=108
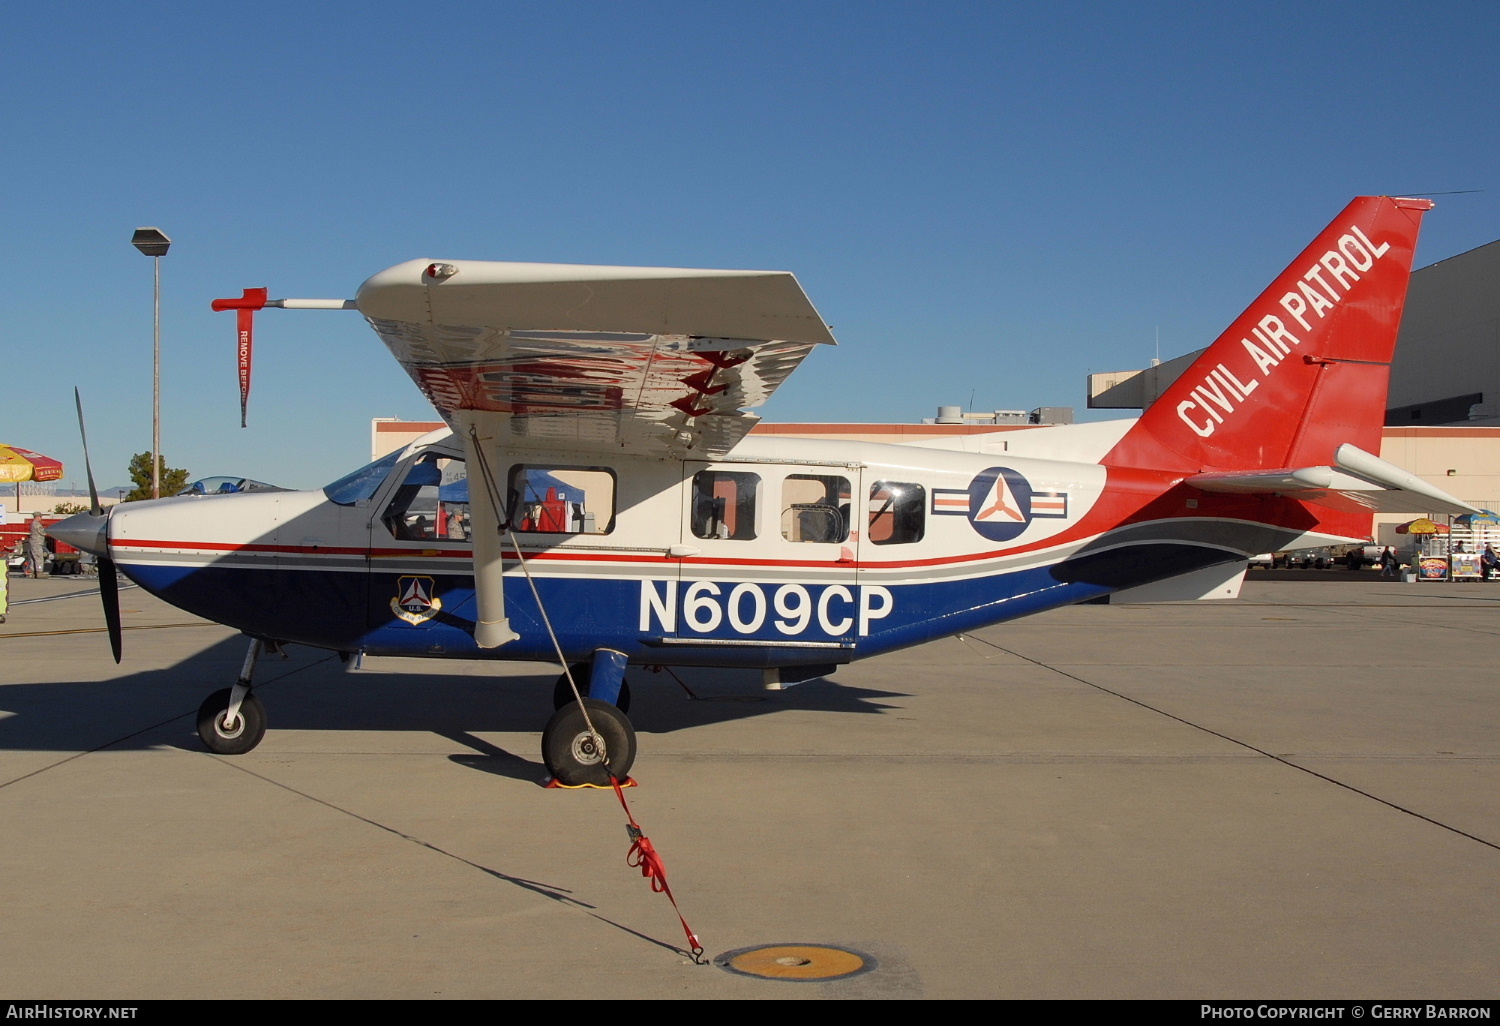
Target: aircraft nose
x=84 y=531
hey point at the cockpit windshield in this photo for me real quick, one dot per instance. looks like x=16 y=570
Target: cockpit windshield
x=361 y=485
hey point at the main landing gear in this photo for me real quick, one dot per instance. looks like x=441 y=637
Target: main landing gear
x=232 y=721
x=562 y=692
x=576 y=753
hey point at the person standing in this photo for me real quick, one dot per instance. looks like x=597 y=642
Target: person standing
x=1488 y=562
x=1388 y=563
x=36 y=548
x=4 y=585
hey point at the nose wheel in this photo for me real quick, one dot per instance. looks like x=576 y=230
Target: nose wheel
x=576 y=755
x=224 y=734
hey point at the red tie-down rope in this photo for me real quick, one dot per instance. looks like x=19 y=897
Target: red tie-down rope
x=643 y=856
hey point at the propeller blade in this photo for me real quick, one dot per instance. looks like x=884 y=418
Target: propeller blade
x=109 y=591
x=109 y=580
x=94 y=506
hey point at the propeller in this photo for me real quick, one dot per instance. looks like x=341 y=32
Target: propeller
x=109 y=580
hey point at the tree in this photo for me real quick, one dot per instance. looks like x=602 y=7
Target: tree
x=71 y=507
x=173 y=480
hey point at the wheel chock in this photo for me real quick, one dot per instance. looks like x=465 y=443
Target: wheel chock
x=553 y=782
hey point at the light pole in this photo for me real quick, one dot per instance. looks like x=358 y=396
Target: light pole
x=154 y=243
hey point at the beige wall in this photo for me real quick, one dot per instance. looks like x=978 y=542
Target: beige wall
x=387 y=434
x=35 y=500
x=1463 y=461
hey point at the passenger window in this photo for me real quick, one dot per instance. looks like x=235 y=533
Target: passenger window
x=431 y=503
x=815 y=508
x=724 y=504
x=562 y=500
x=897 y=512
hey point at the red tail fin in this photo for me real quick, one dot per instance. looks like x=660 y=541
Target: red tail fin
x=1305 y=368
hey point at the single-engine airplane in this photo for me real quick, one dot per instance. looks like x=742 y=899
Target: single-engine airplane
x=596 y=500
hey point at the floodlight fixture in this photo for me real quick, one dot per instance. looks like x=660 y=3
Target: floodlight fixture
x=151 y=241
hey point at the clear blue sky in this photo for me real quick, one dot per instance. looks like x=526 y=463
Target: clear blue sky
x=986 y=200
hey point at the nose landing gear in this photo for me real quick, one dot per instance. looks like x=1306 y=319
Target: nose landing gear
x=226 y=734
x=232 y=721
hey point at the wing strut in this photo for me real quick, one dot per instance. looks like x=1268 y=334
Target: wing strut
x=487 y=510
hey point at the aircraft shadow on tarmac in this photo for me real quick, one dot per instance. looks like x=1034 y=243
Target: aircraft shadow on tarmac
x=313 y=691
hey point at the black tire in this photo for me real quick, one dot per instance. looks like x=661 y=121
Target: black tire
x=570 y=752
x=222 y=741
x=562 y=694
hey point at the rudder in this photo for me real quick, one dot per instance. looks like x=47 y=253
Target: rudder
x=1305 y=368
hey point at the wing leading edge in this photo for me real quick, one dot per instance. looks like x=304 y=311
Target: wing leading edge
x=651 y=361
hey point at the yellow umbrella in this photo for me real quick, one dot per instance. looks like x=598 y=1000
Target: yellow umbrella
x=18 y=464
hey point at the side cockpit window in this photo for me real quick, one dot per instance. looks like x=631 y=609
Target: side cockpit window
x=897 y=513
x=562 y=500
x=432 y=502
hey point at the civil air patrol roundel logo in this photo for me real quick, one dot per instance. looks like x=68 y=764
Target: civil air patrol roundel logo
x=416 y=601
x=1000 y=503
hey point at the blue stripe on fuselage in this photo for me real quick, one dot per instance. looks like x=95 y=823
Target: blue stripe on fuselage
x=352 y=611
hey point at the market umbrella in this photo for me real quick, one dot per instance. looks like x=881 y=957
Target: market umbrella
x=1422 y=526
x=1477 y=522
x=18 y=464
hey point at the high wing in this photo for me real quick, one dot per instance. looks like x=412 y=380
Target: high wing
x=1361 y=482
x=651 y=361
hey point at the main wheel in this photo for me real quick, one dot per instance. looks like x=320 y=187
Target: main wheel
x=562 y=694
x=575 y=756
x=235 y=738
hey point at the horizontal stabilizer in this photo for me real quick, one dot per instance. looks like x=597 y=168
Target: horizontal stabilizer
x=1360 y=483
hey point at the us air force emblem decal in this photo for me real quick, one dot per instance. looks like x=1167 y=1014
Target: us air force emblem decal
x=1000 y=504
x=415 y=602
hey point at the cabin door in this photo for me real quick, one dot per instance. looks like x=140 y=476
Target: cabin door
x=768 y=555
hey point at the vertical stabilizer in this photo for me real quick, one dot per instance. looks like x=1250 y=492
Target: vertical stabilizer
x=1305 y=368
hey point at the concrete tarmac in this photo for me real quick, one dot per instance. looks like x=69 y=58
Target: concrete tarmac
x=1291 y=795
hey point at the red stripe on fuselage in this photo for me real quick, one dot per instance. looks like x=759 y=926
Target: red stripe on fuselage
x=1132 y=497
